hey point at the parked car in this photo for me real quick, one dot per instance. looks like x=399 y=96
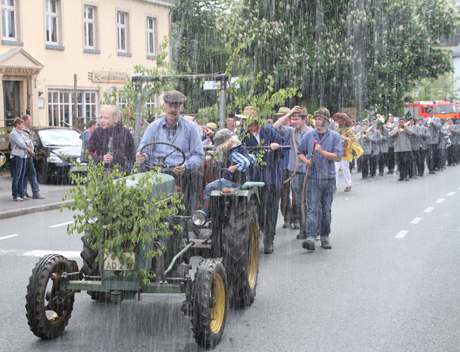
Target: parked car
x=57 y=151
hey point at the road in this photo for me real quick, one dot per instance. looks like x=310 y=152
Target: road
x=390 y=283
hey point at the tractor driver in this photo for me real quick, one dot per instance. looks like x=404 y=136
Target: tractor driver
x=174 y=129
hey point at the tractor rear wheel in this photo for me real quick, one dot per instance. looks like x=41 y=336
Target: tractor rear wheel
x=48 y=305
x=240 y=245
x=209 y=303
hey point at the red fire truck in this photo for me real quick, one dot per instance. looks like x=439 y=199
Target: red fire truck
x=441 y=108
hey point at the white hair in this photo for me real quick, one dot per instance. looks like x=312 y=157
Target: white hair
x=114 y=110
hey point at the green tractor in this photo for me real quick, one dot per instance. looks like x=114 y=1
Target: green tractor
x=214 y=268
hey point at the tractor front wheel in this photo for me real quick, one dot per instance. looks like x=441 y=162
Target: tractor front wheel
x=48 y=305
x=209 y=303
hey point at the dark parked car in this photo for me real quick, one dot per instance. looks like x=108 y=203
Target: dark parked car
x=57 y=151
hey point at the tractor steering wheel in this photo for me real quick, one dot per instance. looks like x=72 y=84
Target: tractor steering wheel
x=162 y=159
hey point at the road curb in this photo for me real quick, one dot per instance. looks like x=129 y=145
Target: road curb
x=34 y=209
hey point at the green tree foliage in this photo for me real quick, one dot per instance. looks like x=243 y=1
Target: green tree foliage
x=120 y=215
x=339 y=53
x=198 y=47
x=435 y=89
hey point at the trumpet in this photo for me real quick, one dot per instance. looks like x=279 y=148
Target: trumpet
x=408 y=123
x=365 y=131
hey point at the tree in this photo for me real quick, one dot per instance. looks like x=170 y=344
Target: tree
x=198 y=47
x=363 y=53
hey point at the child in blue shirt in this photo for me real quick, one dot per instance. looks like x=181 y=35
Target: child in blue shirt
x=237 y=162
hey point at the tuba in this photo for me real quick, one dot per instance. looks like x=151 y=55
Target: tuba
x=351 y=148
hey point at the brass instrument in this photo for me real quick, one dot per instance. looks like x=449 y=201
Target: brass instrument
x=364 y=132
x=351 y=148
x=2 y=159
x=402 y=129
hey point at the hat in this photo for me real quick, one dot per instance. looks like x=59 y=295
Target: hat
x=281 y=111
x=222 y=136
x=250 y=111
x=174 y=97
x=212 y=126
x=303 y=111
x=342 y=119
x=324 y=113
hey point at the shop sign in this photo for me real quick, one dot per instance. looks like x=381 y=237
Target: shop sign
x=108 y=77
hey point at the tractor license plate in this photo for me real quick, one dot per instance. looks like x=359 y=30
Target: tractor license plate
x=114 y=263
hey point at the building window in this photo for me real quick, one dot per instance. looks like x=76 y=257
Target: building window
x=61 y=107
x=151 y=108
x=151 y=36
x=90 y=26
x=52 y=22
x=9 y=20
x=122 y=32
x=122 y=101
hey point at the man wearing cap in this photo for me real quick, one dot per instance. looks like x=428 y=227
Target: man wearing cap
x=266 y=141
x=298 y=128
x=173 y=128
x=319 y=150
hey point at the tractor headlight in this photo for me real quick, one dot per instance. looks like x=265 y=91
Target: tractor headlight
x=199 y=218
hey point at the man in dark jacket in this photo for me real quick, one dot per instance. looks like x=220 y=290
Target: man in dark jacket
x=112 y=143
x=266 y=141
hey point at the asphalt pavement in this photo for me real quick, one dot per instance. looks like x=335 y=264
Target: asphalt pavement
x=390 y=283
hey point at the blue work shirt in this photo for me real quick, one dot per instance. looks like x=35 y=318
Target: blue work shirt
x=285 y=132
x=271 y=173
x=293 y=158
x=330 y=142
x=185 y=136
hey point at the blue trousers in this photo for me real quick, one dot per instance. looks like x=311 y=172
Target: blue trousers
x=320 y=194
x=17 y=173
x=31 y=176
x=297 y=186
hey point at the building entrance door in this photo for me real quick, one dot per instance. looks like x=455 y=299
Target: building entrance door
x=11 y=101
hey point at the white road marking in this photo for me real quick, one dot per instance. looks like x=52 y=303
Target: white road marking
x=9 y=236
x=416 y=221
x=401 y=234
x=440 y=200
x=7 y=251
x=40 y=253
x=429 y=210
x=60 y=225
x=450 y=194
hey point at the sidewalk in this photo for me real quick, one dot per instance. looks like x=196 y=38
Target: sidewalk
x=8 y=208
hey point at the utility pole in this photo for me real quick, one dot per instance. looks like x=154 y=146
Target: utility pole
x=75 y=123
